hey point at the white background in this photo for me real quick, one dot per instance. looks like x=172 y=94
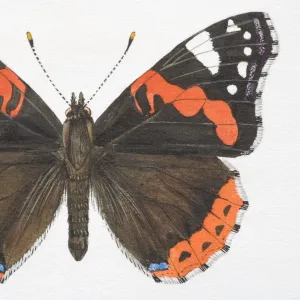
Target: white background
x=79 y=42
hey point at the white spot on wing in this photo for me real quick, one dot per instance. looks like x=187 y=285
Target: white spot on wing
x=247 y=51
x=202 y=47
x=231 y=27
x=242 y=68
x=247 y=35
x=232 y=89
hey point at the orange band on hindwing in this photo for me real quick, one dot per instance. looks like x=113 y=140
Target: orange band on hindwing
x=204 y=243
x=7 y=79
x=188 y=103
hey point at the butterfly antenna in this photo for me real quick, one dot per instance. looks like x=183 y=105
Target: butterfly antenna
x=30 y=40
x=131 y=38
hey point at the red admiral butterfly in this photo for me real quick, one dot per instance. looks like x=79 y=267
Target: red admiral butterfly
x=150 y=161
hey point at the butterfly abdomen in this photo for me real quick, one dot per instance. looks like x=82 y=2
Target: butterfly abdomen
x=78 y=210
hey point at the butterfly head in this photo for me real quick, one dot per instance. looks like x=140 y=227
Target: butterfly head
x=78 y=109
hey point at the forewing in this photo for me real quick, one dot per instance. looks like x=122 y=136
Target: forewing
x=173 y=216
x=26 y=120
x=203 y=97
x=31 y=191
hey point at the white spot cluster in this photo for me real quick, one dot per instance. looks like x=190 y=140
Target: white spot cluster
x=231 y=27
x=247 y=36
x=202 y=47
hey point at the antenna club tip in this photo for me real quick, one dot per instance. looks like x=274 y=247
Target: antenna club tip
x=30 y=39
x=132 y=36
x=29 y=35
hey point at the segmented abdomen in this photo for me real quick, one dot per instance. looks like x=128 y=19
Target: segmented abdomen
x=78 y=210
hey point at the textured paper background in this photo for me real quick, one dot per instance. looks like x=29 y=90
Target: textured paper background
x=79 y=42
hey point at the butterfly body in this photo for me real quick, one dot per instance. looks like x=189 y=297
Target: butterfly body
x=150 y=161
x=78 y=149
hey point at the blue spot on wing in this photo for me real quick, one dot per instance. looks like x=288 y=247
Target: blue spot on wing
x=2 y=268
x=158 y=267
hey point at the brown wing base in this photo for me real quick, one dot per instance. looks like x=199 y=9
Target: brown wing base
x=173 y=215
x=30 y=196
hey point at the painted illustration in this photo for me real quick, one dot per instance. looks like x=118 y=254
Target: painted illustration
x=150 y=161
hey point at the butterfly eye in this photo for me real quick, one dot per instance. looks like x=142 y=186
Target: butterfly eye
x=88 y=110
x=68 y=111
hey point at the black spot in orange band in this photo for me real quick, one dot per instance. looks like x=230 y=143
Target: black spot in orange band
x=184 y=255
x=226 y=210
x=219 y=229
x=205 y=245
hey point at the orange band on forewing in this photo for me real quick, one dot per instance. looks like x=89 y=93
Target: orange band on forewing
x=190 y=108
x=138 y=83
x=157 y=85
x=220 y=113
x=1 y=275
x=7 y=79
x=188 y=103
x=210 y=239
x=5 y=91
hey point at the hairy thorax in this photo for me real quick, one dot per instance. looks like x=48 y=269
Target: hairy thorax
x=78 y=144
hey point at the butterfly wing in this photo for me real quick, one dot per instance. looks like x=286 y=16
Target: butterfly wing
x=31 y=176
x=203 y=97
x=172 y=215
x=170 y=203
x=26 y=120
x=31 y=192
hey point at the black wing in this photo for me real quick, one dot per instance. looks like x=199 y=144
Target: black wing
x=26 y=120
x=170 y=203
x=203 y=97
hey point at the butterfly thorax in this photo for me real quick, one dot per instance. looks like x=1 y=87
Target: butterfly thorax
x=78 y=140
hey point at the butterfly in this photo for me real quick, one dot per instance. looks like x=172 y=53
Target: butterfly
x=150 y=160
